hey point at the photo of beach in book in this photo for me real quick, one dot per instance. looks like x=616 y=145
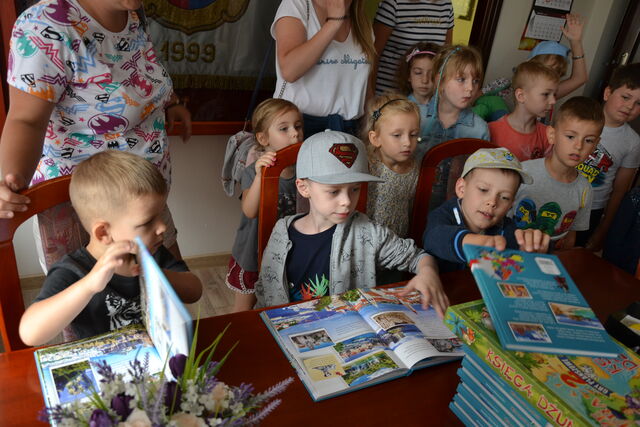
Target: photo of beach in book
x=342 y=343
x=534 y=304
x=69 y=371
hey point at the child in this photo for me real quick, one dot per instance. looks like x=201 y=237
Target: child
x=401 y=23
x=553 y=55
x=333 y=248
x=277 y=123
x=559 y=201
x=612 y=167
x=392 y=128
x=415 y=74
x=622 y=245
x=117 y=196
x=485 y=193
x=521 y=132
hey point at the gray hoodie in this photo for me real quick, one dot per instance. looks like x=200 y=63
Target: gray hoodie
x=359 y=247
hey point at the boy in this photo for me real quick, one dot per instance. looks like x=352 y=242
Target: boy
x=559 y=201
x=485 y=193
x=613 y=165
x=520 y=132
x=333 y=248
x=117 y=196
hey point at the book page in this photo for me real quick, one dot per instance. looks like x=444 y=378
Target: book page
x=68 y=371
x=330 y=345
x=413 y=333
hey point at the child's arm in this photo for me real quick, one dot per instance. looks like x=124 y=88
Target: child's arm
x=251 y=196
x=381 y=33
x=186 y=284
x=621 y=184
x=45 y=319
x=427 y=282
x=579 y=76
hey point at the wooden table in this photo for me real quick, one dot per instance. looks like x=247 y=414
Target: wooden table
x=419 y=399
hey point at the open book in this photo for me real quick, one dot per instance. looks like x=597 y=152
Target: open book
x=346 y=342
x=68 y=371
x=534 y=304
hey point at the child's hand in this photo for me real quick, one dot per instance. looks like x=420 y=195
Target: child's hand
x=116 y=255
x=531 y=240
x=336 y=8
x=427 y=282
x=264 y=161
x=573 y=29
x=498 y=242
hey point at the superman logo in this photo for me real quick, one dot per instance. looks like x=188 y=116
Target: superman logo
x=346 y=153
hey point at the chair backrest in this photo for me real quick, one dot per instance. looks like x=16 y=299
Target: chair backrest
x=43 y=196
x=268 y=212
x=426 y=178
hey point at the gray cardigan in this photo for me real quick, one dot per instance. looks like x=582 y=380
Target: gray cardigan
x=359 y=247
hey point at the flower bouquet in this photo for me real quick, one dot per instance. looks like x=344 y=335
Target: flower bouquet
x=193 y=397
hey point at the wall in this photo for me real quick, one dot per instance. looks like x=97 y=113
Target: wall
x=505 y=54
x=205 y=217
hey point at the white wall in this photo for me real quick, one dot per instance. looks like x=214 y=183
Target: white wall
x=505 y=54
x=205 y=217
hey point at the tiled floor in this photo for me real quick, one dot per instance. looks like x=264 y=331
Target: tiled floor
x=216 y=297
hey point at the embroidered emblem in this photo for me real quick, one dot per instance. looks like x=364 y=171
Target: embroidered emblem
x=346 y=153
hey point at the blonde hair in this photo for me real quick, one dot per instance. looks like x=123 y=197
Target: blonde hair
x=553 y=61
x=383 y=106
x=451 y=62
x=531 y=70
x=266 y=112
x=402 y=75
x=106 y=182
x=362 y=29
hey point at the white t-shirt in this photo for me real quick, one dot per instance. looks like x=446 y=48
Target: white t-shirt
x=337 y=83
x=412 y=22
x=618 y=148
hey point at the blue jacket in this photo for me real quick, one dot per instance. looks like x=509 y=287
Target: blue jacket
x=446 y=230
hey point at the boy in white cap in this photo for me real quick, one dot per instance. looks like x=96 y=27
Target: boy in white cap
x=485 y=193
x=333 y=248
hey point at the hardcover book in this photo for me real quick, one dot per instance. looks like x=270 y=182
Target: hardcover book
x=534 y=304
x=68 y=371
x=566 y=390
x=346 y=342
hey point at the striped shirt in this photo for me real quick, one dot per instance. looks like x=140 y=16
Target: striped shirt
x=412 y=22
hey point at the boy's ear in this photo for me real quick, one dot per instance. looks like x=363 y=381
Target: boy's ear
x=101 y=231
x=607 y=93
x=460 y=186
x=373 y=139
x=519 y=95
x=303 y=187
x=551 y=135
x=262 y=138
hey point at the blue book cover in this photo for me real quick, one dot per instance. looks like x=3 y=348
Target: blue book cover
x=461 y=413
x=480 y=405
x=534 y=304
x=342 y=343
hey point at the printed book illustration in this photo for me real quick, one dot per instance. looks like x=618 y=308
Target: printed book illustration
x=68 y=371
x=565 y=390
x=534 y=304
x=345 y=342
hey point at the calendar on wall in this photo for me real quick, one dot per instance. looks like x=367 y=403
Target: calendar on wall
x=546 y=20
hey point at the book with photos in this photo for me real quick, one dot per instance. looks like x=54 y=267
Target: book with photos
x=346 y=342
x=68 y=371
x=534 y=304
x=565 y=390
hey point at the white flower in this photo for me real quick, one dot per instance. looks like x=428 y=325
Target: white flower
x=137 y=418
x=218 y=399
x=186 y=420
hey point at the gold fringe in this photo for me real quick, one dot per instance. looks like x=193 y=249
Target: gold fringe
x=189 y=81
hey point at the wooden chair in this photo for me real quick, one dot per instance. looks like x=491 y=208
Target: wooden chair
x=43 y=196
x=452 y=148
x=268 y=211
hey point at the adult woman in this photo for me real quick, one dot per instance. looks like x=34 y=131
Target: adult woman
x=83 y=77
x=324 y=54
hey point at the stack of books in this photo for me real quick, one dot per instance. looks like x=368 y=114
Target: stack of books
x=535 y=352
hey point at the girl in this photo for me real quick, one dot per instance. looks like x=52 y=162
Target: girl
x=415 y=75
x=449 y=115
x=392 y=128
x=402 y=23
x=324 y=49
x=277 y=123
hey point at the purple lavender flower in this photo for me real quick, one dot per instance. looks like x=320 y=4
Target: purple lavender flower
x=177 y=364
x=120 y=404
x=100 y=418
